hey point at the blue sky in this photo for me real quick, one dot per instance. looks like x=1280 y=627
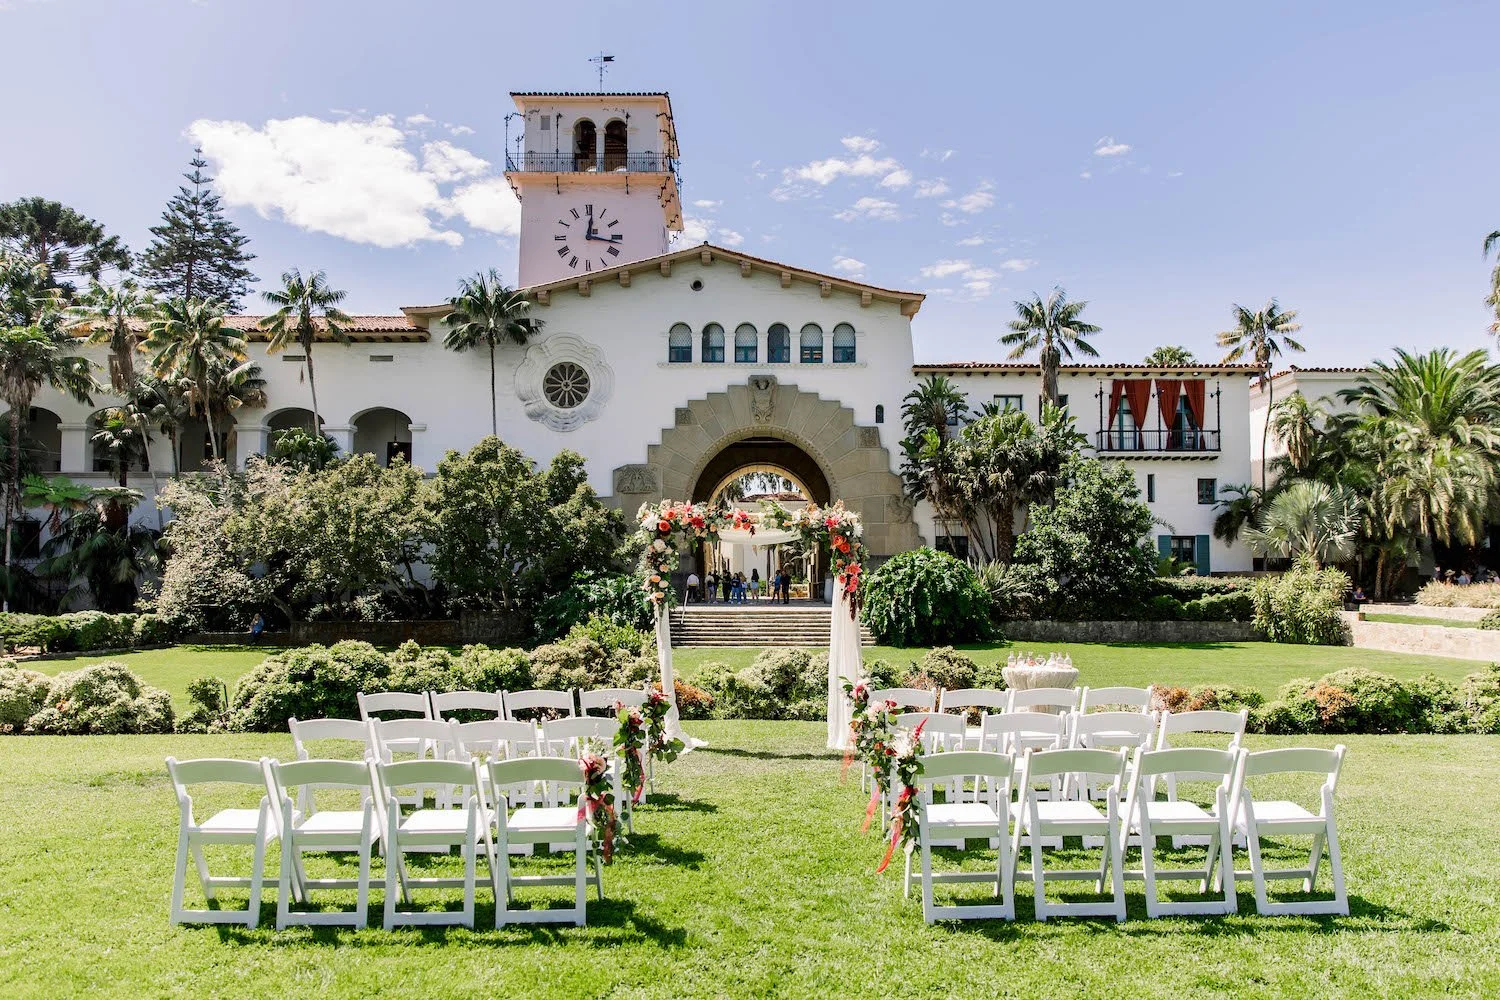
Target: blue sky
x=1160 y=161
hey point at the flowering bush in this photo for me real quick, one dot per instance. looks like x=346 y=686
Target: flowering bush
x=104 y=699
x=22 y=695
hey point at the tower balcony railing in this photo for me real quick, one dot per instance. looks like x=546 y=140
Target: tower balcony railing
x=1156 y=440
x=609 y=163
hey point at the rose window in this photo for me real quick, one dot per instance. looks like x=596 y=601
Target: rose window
x=566 y=385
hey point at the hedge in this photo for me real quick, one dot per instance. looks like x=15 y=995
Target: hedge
x=83 y=631
x=104 y=699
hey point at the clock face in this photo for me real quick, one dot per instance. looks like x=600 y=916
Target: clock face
x=589 y=238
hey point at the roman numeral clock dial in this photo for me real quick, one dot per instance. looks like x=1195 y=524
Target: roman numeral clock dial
x=589 y=237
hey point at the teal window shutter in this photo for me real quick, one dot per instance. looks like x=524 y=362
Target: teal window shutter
x=1200 y=554
x=1164 y=546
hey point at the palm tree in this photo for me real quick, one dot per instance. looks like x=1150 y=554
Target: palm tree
x=31 y=357
x=1434 y=396
x=486 y=312
x=193 y=350
x=1239 y=506
x=929 y=414
x=1493 y=299
x=112 y=314
x=120 y=437
x=163 y=404
x=1170 y=356
x=236 y=386
x=99 y=553
x=1055 y=326
x=1308 y=518
x=1298 y=425
x=304 y=306
x=57 y=496
x=936 y=404
x=1262 y=334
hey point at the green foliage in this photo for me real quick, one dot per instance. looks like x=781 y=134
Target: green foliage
x=209 y=711
x=1083 y=557
x=1490 y=621
x=504 y=534
x=82 y=631
x=778 y=684
x=1010 y=590
x=481 y=668
x=925 y=596
x=301 y=449
x=946 y=668
x=1302 y=606
x=1206 y=698
x=104 y=699
x=22 y=695
x=1187 y=588
x=615 y=638
x=308 y=682
x=195 y=251
x=617 y=597
x=1357 y=700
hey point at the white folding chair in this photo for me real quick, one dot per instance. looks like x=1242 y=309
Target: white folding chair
x=536 y=700
x=1017 y=732
x=607 y=700
x=939 y=732
x=1058 y=818
x=1116 y=699
x=964 y=700
x=446 y=704
x=401 y=704
x=326 y=830
x=1055 y=700
x=255 y=828
x=1211 y=723
x=572 y=738
x=986 y=818
x=1257 y=818
x=1152 y=818
x=561 y=821
x=350 y=731
x=1128 y=731
x=909 y=699
x=430 y=830
x=422 y=739
x=495 y=739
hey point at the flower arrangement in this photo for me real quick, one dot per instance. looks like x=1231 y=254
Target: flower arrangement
x=630 y=747
x=598 y=802
x=835 y=528
x=858 y=693
x=874 y=731
x=658 y=745
x=905 y=765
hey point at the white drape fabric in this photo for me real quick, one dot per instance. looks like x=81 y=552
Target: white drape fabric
x=760 y=536
x=668 y=682
x=843 y=665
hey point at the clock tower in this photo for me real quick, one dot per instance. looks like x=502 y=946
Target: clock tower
x=596 y=176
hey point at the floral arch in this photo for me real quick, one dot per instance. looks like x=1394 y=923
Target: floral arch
x=669 y=526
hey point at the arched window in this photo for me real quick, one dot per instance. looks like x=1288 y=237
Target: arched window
x=778 y=344
x=879 y=413
x=680 y=343
x=713 y=343
x=614 y=145
x=812 y=344
x=843 y=344
x=585 y=145
x=746 y=344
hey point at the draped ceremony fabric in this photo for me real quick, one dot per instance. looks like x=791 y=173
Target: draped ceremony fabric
x=843 y=665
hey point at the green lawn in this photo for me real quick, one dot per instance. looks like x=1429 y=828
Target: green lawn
x=1264 y=665
x=747 y=877
x=1421 y=620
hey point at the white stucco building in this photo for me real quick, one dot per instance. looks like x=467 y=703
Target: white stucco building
x=1319 y=385
x=673 y=371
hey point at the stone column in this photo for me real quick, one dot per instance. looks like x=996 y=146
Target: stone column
x=75 y=448
x=419 y=445
x=250 y=439
x=343 y=436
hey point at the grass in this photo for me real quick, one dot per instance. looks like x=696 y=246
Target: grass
x=747 y=877
x=1420 y=620
x=1262 y=665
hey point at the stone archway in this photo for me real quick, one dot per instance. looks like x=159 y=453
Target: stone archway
x=851 y=459
x=762 y=452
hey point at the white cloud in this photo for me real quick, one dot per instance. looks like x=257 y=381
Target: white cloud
x=460 y=130
x=487 y=204
x=694 y=231
x=848 y=265
x=825 y=172
x=932 y=189
x=978 y=288
x=1017 y=264
x=975 y=201
x=941 y=155
x=859 y=144
x=946 y=268
x=353 y=179
x=1086 y=174
x=730 y=238
x=707 y=204
x=1174 y=173
x=418 y=119
x=869 y=208
x=973 y=241
x=447 y=162
x=896 y=179
x=1107 y=146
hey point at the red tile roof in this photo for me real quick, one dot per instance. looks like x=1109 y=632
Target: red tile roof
x=1031 y=366
x=363 y=328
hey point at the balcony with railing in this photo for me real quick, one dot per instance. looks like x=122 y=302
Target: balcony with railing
x=571 y=163
x=1156 y=441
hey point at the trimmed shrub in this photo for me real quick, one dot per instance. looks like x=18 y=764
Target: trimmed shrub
x=944 y=667
x=23 y=693
x=692 y=702
x=210 y=707
x=560 y=666
x=104 y=699
x=1238 y=606
x=153 y=630
x=1362 y=701
x=1189 y=588
x=481 y=668
x=613 y=636
x=1302 y=606
x=308 y=682
x=1490 y=621
x=1161 y=608
x=778 y=684
x=924 y=597
x=416 y=668
x=83 y=631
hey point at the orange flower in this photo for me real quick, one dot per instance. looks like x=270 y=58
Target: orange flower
x=664 y=525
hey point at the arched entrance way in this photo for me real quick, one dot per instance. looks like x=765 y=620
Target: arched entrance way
x=762 y=453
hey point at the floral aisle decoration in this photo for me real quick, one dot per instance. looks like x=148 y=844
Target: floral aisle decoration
x=906 y=764
x=598 y=803
x=858 y=693
x=630 y=748
x=835 y=529
x=875 y=744
x=659 y=746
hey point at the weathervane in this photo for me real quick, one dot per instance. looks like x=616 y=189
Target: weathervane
x=603 y=62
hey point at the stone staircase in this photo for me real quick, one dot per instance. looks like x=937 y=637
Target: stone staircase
x=754 y=625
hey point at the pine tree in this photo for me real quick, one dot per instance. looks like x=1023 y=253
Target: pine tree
x=196 y=253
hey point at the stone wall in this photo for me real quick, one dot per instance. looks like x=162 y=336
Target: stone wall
x=1131 y=631
x=494 y=629
x=1425 y=640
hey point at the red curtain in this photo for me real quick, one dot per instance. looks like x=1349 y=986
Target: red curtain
x=1116 y=390
x=1194 y=388
x=1138 y=395
x=1168 y=391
